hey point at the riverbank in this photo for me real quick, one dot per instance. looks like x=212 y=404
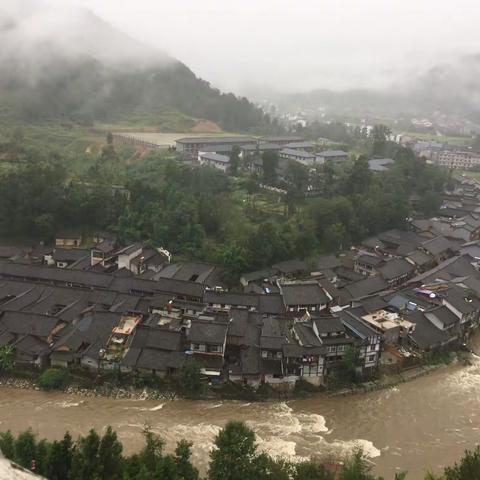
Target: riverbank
x=227 y=391
x=388 y=381
x=107 y=391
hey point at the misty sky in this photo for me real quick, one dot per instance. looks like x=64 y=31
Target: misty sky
x=300 y=44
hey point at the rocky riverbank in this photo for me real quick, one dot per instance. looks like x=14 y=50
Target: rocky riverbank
x=231 y=391
x=387 y=381
x=105 y=390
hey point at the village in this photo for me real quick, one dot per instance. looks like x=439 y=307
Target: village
x=387 y=304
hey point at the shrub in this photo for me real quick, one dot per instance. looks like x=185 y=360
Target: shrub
x=53 y=379
x=191 y=378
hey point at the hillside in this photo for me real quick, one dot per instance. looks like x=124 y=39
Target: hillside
x=58 y=73
x=451 y=88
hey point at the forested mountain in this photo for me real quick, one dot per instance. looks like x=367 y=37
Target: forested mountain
x=79 y=67
x=451 y=88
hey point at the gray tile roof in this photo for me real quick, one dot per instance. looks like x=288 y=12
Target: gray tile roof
x=437 y=245
x=333 y=153
x=426 y=335
x=306 y=335
x=290 y=266
x=443 y=315
x=69 y=254
x=420 y=258
x=23 y=323
x=327 y=262
x=208 y=332
x=216 y=140
x=395 y=268
x=366 y=287
x=356 y=326
x=215 y=157
x=380 y=164
x=303 y=294
x=235 y=299
x=328 y=324
x=457 y=297
x=370 y=260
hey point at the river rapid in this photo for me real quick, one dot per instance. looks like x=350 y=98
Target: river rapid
x=423 y=424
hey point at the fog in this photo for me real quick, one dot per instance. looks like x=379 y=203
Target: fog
x=35 y=32
x=261 y=45
x=297 y=45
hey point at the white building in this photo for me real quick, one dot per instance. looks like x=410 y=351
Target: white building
x=222 y=162
x=457 y=159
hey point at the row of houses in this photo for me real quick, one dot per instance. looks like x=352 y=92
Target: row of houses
x=300 y=326
x=215 y=151
x=397 y=296
x=307 y=158
x=69 y=318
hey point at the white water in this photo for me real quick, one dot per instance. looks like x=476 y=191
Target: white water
x=426 y=423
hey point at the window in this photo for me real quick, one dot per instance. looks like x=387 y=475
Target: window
x=372 y=348
x=331 y=349
x=195 y=346
x=341 y=348
x=279 y=354
x=264 y=354
x=371 y=358
x=215 y=348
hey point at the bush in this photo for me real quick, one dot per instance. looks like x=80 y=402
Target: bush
x=53 y=379
x=190 y=379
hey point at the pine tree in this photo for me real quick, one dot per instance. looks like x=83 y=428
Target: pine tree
x=110 y=456
x=7 y=444
x=185 y=469
x=25 y=449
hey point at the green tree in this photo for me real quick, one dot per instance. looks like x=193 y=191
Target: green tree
x=379 y=136
x=53 y=379
x=45 y=225
x=234 y=258
x=7 y=358
x=25 y=448
x=85 y=461
x=191 y=377
x=430 y=203
x=270 y=163
x=59 y=458
x=360 y=177
x=110 y=456
x=151 y=454
x=234 y=454
x=312 y=470
x=234 y=160
x=41 y=456
x=467 y=469
x=269 y=244
x=347 y=369
x=185 y=469
x=297 y=176
x=7 y=444
x=356 y=468
x=334 y=236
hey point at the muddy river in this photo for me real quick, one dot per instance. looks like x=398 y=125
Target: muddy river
x=424 y=424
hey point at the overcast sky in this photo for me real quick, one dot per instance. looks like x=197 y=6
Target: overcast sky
x=300 y=44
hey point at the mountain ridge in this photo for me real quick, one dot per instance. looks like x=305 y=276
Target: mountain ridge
x=60 y=72
x=450 y=88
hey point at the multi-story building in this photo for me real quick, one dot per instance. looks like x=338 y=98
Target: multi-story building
x=457 y=159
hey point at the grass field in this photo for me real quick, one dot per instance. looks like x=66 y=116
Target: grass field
x=471 y=174
x=453 y=140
